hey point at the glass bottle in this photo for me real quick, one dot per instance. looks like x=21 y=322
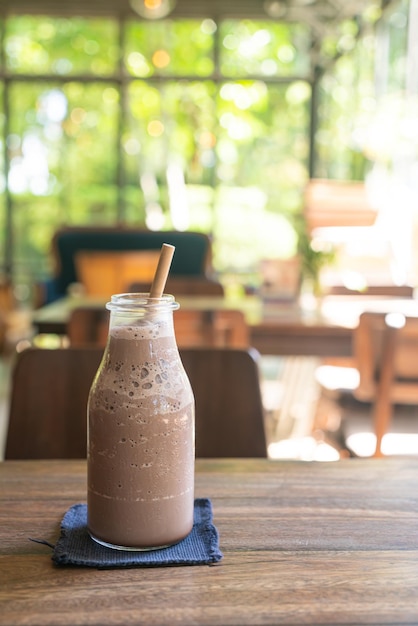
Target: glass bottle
x=140 y=430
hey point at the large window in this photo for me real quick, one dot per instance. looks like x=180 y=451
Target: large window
x=186 y=124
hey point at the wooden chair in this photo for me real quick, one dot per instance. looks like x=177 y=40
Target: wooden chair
x=50 y=388
x=184 y=286
x=386 y=351
x=223 y=328
x=229 y=408
x=88 y=325
x=48 y=404
x=337 y=203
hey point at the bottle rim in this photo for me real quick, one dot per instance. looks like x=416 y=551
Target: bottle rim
x=134 y=301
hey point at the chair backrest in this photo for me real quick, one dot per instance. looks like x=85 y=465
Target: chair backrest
x=88 y=325
x=193 y=256
x=380 y=345
x=229 y=408
x=226 y=328
x=184 y=286
x=105 y=273
x=48 y=403
x=337 y=203
x=386 y=351
x=50 y=388
x=221 y=328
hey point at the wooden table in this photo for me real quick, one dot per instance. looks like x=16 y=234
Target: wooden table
x=303 y=543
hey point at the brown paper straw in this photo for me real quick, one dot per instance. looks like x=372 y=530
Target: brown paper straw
x=161 y=273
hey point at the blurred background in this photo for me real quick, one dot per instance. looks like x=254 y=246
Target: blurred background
x=210 y=116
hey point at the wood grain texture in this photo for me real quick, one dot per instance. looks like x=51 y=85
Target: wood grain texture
x=303 y=544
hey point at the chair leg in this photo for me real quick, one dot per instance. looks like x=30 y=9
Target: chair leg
x=382 y=415
x=382 y=412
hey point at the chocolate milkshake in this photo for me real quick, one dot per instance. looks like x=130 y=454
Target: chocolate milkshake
x=141 y=431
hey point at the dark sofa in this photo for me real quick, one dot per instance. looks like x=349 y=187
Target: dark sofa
x=192 y=257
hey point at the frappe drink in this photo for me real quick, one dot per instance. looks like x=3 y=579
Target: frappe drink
x=140 y=431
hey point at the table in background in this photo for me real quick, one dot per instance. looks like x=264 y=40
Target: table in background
x=279 y=328
x=303 y=543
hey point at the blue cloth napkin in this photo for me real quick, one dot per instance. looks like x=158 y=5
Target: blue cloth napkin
x=76 y=547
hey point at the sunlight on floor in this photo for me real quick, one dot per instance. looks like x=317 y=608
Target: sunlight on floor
x=363 y=444
x=334 y=377
x=303 y=449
